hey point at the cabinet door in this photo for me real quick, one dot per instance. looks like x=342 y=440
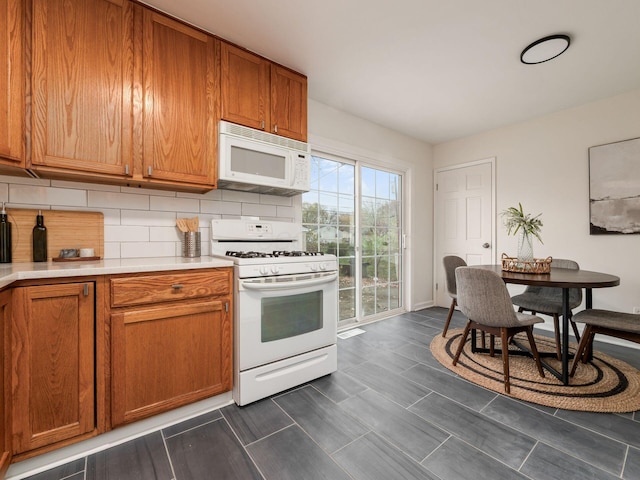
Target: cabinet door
x=180 y=79
x=52 y=364
x=163 y=358
x=288 y=103
x=245 y=88
x=82 y=84
x=5 y=384
x=12 y=100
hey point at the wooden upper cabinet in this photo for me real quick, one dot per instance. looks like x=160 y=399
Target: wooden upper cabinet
x=82 y=82
x=289 y=103
x=12 y=99
x=245 y=88
x=180 y=79
x=259 y=94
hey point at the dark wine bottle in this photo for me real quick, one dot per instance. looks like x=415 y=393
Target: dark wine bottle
x=5 y=237
x=39 y=239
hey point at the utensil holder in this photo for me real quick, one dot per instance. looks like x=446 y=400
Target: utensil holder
x=191 y=244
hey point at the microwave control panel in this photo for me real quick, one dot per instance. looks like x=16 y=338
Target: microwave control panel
x=301 y=171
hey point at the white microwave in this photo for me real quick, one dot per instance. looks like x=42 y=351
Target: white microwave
x=254 y=161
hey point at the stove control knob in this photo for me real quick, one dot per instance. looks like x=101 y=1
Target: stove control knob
x=323 y=266
x=264 y=271
x=314 y=267
x=275 y=269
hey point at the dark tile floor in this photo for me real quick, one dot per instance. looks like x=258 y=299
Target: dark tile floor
x=390 y=412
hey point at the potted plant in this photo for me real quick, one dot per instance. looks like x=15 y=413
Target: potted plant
x=527 y=225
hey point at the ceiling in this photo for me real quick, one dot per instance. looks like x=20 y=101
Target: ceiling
x=435 y=70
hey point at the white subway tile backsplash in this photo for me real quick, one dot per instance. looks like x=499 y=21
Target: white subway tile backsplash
x=142 y=222
x=42 y=195
x=85 y=186
x=286 y=212
x=149 y=218
x=147 y=191
x=164 y=234
x=174 y=204
x=259 y=210
x=210 y=195
x=275 y=200
x=221 y=208
x=233 y=196
x=118 y=200
x=120 y=233
x=25 y=181
x=111 y=250
x=147 y=249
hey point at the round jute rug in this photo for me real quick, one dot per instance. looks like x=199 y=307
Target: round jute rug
x=605 y=385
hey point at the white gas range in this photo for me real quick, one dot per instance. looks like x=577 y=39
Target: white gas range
x=286 y=306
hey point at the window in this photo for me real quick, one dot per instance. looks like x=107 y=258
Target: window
x=354 y=212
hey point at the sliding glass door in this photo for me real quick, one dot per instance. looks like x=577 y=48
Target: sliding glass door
x=355 y=212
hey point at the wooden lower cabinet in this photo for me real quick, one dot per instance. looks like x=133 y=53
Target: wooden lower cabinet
x=165 y=355
x=5 y=384
x=53 y=364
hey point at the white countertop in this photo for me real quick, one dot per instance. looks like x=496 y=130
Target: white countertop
x=11 y=272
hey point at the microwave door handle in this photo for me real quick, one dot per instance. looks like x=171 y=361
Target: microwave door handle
x=292 y=284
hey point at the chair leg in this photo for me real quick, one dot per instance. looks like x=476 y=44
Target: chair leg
x=587 y=339
x=575 y=330
x=556 y=328
x=534 y=350
x=451 y=309
x=505 y=359
x=462 y=342
x=492 y=345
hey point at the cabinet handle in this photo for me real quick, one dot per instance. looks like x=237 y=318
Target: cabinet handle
x=226 y=307
x=149 y=170
x=275 y=128
x=177 y=286
x=86 y=290
x=126 y=169
x=262 y=125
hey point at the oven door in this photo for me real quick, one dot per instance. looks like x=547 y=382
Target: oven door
x=279 y=317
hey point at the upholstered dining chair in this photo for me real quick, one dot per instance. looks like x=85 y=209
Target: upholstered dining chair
x=450 y=263
x=484 y=299
x=548 y=301
x=605 y=322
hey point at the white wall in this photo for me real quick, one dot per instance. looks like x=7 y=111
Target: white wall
x=544 y=164
x=341 y=133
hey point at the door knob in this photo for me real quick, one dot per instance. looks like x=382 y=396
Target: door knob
x=485 y=245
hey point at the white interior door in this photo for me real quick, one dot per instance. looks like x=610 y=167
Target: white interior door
x=464 y=218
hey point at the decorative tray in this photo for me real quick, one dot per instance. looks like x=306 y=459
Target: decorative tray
x=75 y=259
x=537 y=265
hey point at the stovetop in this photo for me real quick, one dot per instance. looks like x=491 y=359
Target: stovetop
x=266 y=248
x=272 y=254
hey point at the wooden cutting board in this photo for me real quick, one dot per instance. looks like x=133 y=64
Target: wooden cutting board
x=65 y=229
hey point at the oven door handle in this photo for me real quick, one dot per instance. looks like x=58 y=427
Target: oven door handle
x=292 y=284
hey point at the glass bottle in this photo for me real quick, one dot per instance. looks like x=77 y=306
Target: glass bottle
x=39 y=239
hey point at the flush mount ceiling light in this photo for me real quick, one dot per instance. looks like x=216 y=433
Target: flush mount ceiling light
x=545 y=49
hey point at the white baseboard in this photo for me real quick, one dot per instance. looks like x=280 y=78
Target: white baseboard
x=46 y=461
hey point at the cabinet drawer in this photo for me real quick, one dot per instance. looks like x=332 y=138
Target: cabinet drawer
x=145 y=289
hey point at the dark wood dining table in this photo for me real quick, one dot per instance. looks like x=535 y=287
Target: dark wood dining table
x=565 y=279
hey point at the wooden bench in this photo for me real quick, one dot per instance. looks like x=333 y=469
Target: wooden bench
x=605 y=322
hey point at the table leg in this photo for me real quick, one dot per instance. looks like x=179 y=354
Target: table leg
x=589 y=298
x=565 y=336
